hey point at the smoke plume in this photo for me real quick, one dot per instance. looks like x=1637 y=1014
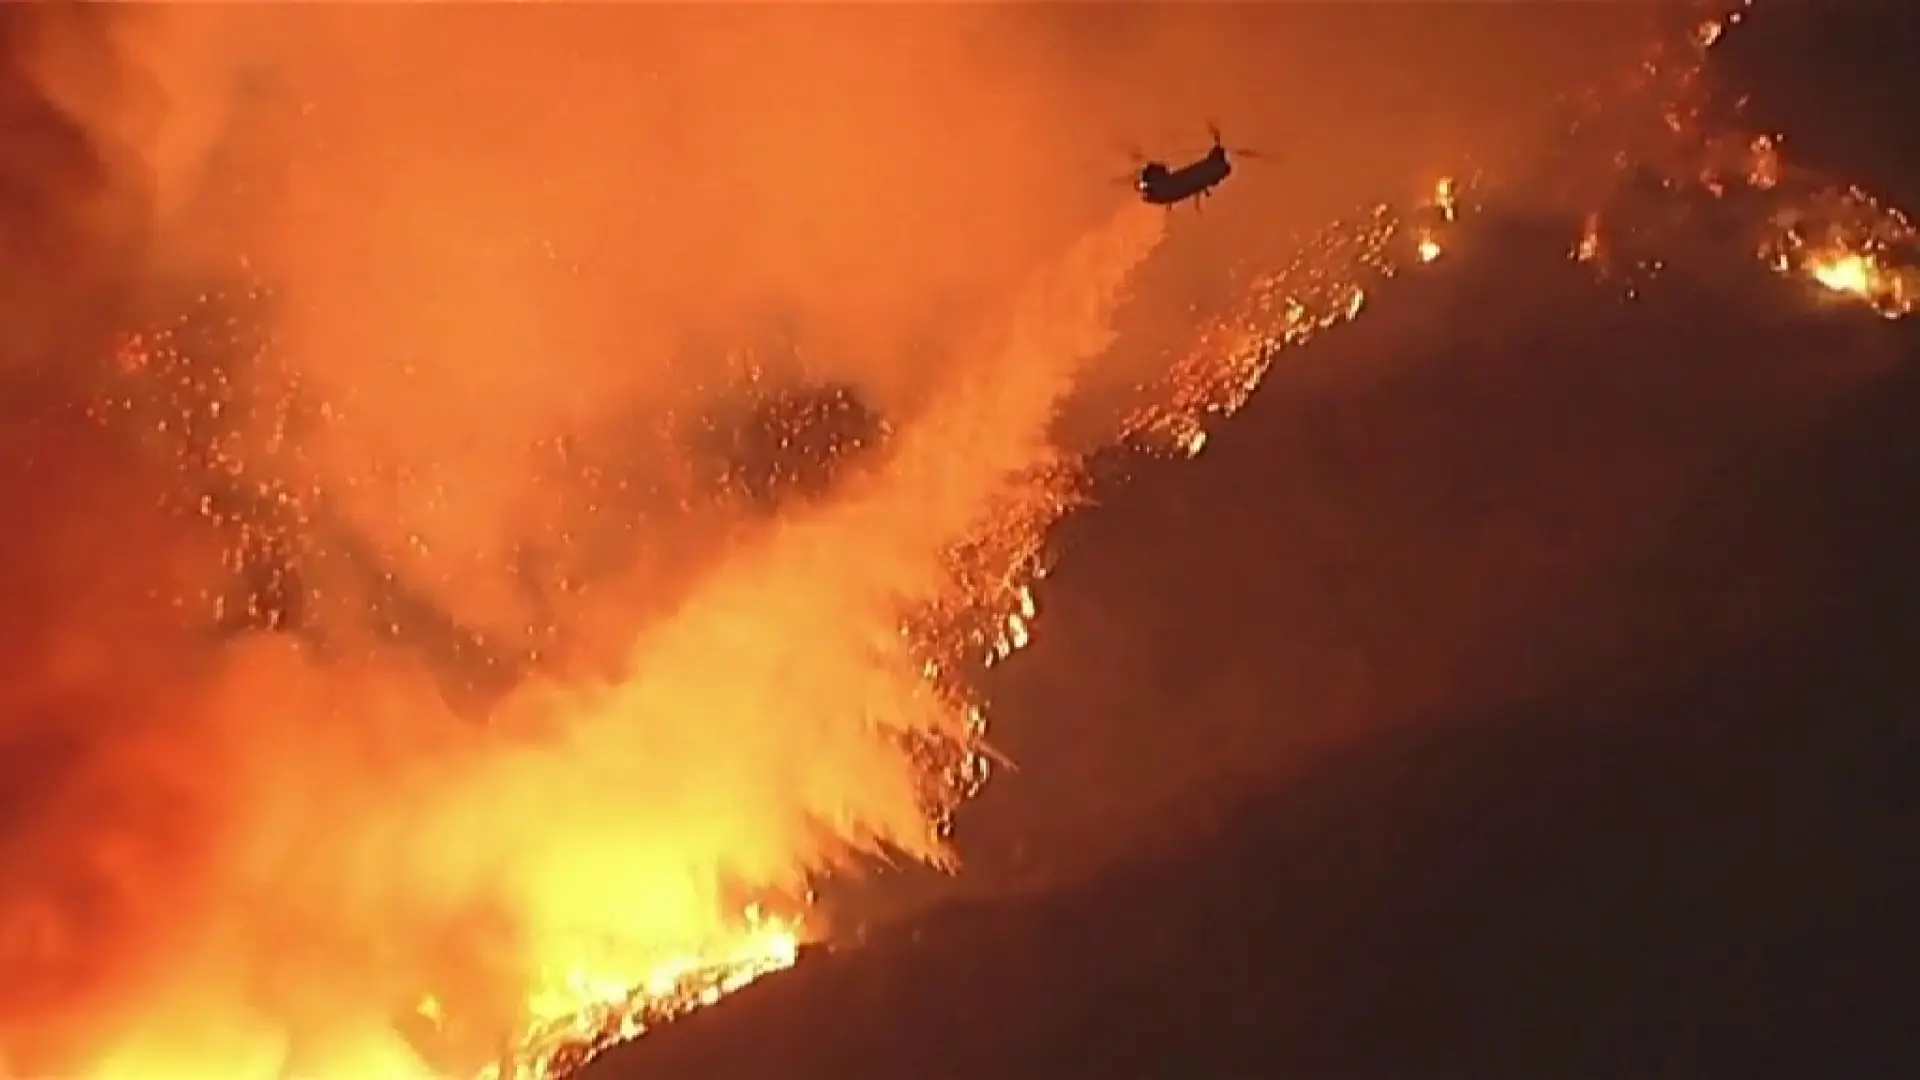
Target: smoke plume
x=454 y=319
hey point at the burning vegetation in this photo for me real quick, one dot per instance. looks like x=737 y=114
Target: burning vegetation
x=429 y=802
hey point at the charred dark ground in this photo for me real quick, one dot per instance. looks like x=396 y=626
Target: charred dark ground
x=1565 y=653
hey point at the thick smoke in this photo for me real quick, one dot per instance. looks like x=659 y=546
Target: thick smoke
x=518 y=271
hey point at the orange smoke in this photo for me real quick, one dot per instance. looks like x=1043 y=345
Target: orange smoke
x=485 y=242
x=247 y=856
x=343 y=847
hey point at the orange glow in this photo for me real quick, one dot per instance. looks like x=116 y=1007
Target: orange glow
x=317 y=856
x=571 y=815
x=584 y=1012
x=1845 y=273
x=1861 y=277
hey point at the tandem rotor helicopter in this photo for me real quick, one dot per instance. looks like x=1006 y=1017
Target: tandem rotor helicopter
x=1161 y=185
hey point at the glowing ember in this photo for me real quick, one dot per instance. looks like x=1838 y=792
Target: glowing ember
x=1445 y=198
x=1587 y=248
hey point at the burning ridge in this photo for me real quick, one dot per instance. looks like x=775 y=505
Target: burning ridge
x=200 y=390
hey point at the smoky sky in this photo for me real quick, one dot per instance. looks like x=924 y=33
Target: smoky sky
x=513 y=264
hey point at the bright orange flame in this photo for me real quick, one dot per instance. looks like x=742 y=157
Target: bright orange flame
x=578 y=869
x=584 y=1012
x=407 y=895
x=1846 y=273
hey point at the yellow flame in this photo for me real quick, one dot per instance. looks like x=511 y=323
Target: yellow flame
x=582 y=1012
x=1846 y=273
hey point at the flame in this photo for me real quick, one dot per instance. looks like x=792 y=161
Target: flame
x=1847 y=272
x=585 y=986
x=1860 y=276
x=581 y=1013
x=529 y=839
x=1328 y=282
x=1335 y=273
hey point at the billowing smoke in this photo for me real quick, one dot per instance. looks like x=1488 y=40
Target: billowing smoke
x=475 y=346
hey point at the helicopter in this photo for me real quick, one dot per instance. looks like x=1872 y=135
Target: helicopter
x=1160 y=185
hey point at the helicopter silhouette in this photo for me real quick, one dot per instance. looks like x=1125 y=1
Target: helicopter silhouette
x=1159 y=184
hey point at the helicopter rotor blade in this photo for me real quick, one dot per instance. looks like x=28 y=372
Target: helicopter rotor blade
x=1248 y=152
x=1213 y=132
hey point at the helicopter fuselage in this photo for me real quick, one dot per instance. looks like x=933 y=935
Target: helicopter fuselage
x=1162 y=186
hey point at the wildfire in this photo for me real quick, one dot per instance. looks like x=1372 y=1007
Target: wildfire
x=1330 y=282
x=1848 y=245
x=989 y=558
x=1835 y=237
x=898 y=637
x=1323 y=286
x=1846 y=273
x=1861 y=277
x=579 y=1015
